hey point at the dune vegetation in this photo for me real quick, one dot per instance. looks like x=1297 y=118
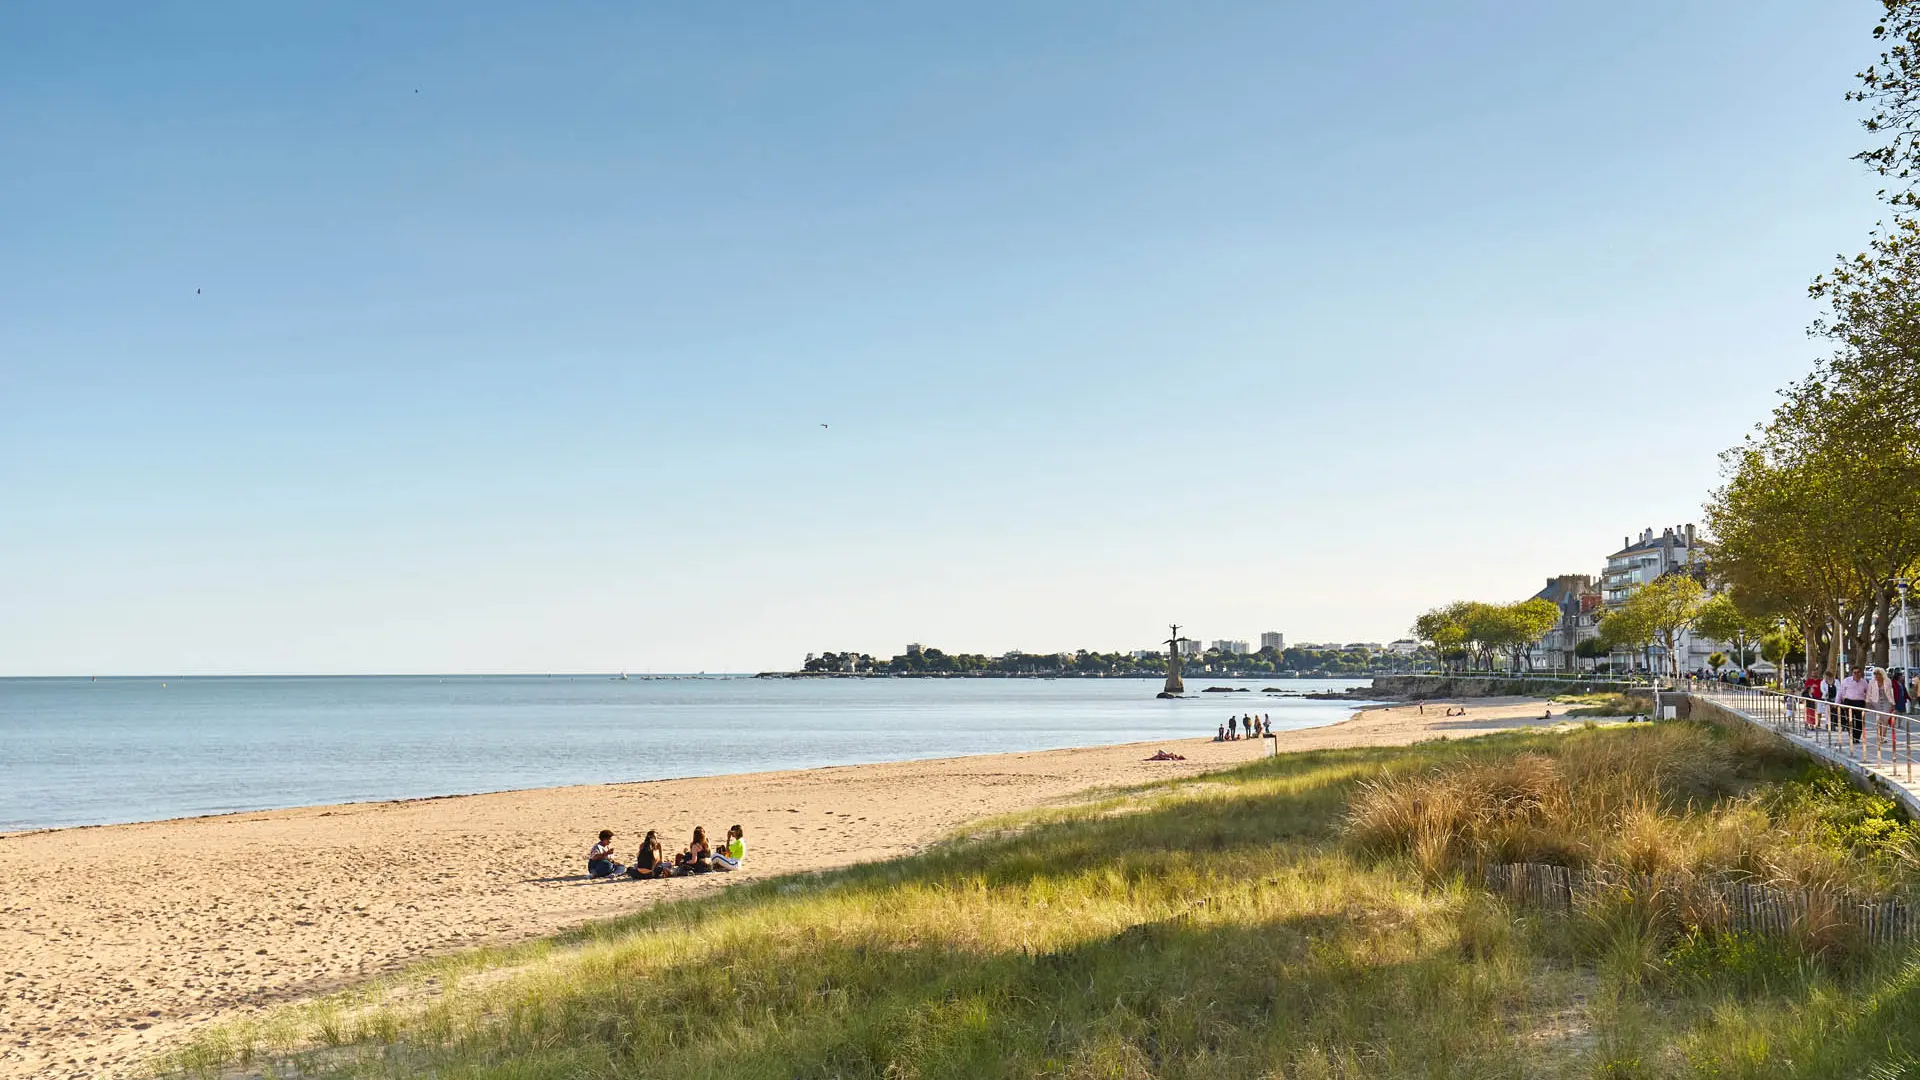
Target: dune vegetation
x=1311 y=915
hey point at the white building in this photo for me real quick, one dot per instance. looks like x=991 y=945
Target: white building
x=1403 y=647
x=1232 y=648
x=1641 y=561
x=1273 y=639
x=1901 y=649
x=1191 y=647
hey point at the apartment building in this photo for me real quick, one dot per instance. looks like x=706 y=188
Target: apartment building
x=1638 y=562
x=1580 y=604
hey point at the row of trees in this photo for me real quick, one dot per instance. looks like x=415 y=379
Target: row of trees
x=1818 y=523
x=930 y=661
x=1469 y=633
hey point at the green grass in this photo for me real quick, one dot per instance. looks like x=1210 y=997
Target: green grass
x=1602 y=704
x=1277 y=920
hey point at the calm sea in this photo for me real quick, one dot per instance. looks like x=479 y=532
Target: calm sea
x=81 y=751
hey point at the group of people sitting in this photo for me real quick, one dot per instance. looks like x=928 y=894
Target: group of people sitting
x=652 y=862
x=1255 y=727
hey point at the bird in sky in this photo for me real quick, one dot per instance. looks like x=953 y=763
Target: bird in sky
x=196 y=292
x=823 y=425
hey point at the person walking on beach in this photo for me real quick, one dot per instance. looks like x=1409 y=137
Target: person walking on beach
x=1853 y=698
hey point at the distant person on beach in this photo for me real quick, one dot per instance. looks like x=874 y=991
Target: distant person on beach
x=651 y=861
x=733 y=851
x=1233 y=728
x=600 y=857
x=1222 y=737
x=698 y=858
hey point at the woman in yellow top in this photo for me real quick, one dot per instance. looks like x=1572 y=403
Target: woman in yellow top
x=733 y=852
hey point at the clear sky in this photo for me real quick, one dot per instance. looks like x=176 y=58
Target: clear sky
x=479 y=337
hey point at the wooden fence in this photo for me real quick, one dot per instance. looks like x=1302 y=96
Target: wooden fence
x=1749 y=906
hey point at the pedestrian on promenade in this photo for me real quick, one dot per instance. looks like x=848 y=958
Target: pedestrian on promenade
x=1810 y=689
x=1880 y=700
x=1853 y=698
x=1900 y=695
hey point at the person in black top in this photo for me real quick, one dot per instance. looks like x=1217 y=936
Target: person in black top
x=651 y=861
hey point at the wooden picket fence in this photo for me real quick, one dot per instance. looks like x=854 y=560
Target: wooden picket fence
x=1754 y=907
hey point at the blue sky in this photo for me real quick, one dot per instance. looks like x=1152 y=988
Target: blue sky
x=515 y=327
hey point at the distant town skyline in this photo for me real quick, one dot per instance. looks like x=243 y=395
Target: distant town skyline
x=686 y=338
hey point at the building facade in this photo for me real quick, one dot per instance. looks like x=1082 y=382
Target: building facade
x=1677 y=549
x=1579 y=602
x=1273 y=639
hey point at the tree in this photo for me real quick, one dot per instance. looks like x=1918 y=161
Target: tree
x=1660 y=611
x=1444 y=629
x=1722 y=620
x=1525 y=623
x=1626 y=629
x=1592 y=648
x=1891 y=90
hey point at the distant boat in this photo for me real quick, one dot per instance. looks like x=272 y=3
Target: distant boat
x=622 y=677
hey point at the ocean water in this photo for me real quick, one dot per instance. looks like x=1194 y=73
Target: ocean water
x=83 y=751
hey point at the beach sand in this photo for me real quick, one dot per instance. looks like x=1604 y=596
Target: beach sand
x=116 y=939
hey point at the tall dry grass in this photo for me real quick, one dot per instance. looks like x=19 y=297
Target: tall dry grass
x=1678 y=809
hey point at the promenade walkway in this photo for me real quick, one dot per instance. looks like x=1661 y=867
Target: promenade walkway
x=1884 y=756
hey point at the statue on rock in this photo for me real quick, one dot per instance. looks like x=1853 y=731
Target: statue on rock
x=1174 y=687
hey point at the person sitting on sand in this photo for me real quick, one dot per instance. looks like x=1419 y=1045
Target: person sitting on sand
x=651 y=861
x=733 y=851
x=600 y=857
x=697 y=859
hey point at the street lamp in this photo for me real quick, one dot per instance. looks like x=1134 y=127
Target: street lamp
x=1906 y=626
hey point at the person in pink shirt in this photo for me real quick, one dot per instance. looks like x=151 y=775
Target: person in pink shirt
x=1853 y=698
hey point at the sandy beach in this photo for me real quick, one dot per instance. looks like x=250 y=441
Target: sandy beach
x=115 y=939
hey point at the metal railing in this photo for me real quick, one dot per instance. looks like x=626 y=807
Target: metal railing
x=1548 y=675
x=1873 y=739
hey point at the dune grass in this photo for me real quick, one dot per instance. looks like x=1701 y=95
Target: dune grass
x=1602 y=704
x=1303 y=916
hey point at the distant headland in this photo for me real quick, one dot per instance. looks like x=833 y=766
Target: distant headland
x=927 y=662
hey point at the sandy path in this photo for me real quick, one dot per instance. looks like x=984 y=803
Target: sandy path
x=117 y=938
